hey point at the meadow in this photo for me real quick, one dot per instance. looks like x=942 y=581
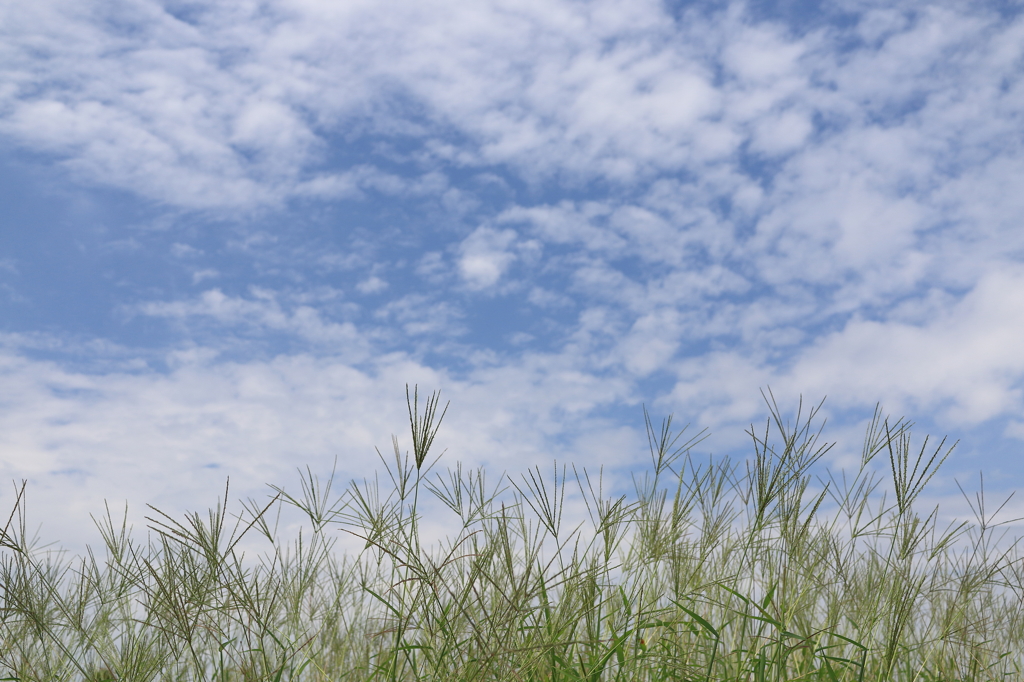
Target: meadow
x=749 y=570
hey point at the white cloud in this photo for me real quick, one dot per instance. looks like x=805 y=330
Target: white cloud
x=332 y=186
x=652 y=342
x=372 y=285
x=781 y=133
x=264 y=312
x=201 y=275
x=567 y=223
x=961 y=368
x=236 y=108
x=179 y=250
x=762 y=54
x=485 y=256
x=418 y=314
x=257 y=119
x=171 y=438
x=965 y=363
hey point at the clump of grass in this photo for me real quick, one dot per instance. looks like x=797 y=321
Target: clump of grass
x=704 y=572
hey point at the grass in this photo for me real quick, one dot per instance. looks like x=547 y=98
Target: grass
x=706 y=571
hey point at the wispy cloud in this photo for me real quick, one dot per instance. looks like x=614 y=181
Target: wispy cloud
x=261 y=311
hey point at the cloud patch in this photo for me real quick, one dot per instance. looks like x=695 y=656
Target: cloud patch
x=485 y=255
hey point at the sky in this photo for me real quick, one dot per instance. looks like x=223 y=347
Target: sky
x=232 y=232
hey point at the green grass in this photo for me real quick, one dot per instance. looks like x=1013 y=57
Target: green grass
x=706 y=571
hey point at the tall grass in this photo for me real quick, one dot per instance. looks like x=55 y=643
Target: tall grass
x=706 y=571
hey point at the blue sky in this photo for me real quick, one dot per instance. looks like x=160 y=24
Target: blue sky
x=233 y=231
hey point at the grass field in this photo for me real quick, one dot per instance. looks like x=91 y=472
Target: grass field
x=706 y=571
